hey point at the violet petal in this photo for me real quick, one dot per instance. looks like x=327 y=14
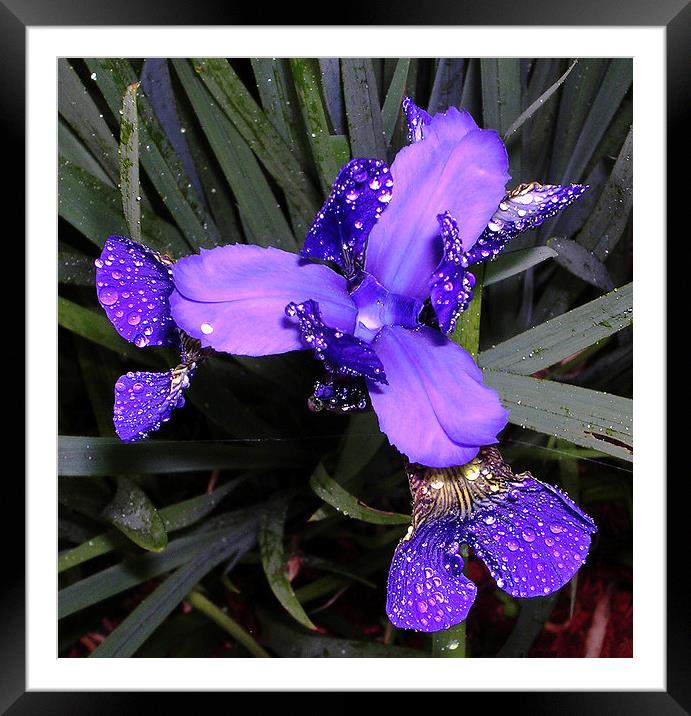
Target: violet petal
x=427 y=590
x=533 y=539
x=525 y=207
x=342 y=353
x=144 y=401
x=133 y=287
x=361 y=192
x=456 y=168
x=233 y=298
x=435 y=408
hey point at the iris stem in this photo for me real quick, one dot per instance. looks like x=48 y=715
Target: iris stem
x=452 y=643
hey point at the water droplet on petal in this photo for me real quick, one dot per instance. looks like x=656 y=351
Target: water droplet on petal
x=108 y=296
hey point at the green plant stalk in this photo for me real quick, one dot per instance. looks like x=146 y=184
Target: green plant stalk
x=451 y=643
x=209 y=609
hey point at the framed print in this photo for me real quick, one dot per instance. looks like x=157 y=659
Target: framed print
x=346 y=357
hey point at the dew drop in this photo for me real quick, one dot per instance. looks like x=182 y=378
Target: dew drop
x=108 y=296
x=206 y=328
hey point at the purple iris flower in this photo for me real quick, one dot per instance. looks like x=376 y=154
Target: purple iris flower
x=390 y=242
x=133 y=285
x=531 y=536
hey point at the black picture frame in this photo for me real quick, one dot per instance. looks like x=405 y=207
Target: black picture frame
x=17 y=15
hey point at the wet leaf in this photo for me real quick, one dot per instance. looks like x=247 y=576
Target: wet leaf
x=274 y=562
x=129 y=162
x=133 y=513
x=561 y=337
x=333 y=494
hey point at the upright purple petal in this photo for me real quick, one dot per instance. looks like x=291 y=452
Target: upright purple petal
x=416 y=118
x=233 y=298
x=133 y=287
x=342 y=353
x=525 y=207
x=532 y=537
x=143 y=401
x=361 y=192
x=457 y=169
x=427 y=590
x=451 y=285
x=435 y=408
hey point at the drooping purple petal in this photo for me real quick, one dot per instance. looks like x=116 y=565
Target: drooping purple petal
x=339 y=395
x=361 y=192
x=456 y=168
x=435 y=408
x=144 y=401
x=416 y=118
x=427 y=590
x=533 y=537
x=133 y=287
x=451 y=285
x=342 y=353
x=525 y=207
x=233 y=298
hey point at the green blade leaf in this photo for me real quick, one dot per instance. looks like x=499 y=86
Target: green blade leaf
x=580 y=262
x=578 y=93
x=237 y=530
x=132 y=512
x=363 y=109
x=129 y=162
x=394 y=97
x=74 y=267
x=80 y=111
x=447 y=88
x=501 y=101
x=514 y=262
x=94 y=326
x=327 y=155
x=159 y=160
x=175 y=517
x=333 y=494
x=143 y=621
x=290 y=643
x=561 y=337
x=71 y=148
x=95 y=209
x=600 y=234
x=274 y=562
x=259 y=133
x=330 y=72
x=266 y=223
x=581 y=416
x=84 y=456
x=615 y=85
x=537 y=104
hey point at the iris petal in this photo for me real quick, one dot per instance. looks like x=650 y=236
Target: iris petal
x=435 y=408
x=427 y=590
x=416 y=118
x=361 y=192
x=343 y=354
x=233 y=298
x=451 y=286
x=133 y=287
x=525 y=207
x=456 y=168
x=144 y=401
x=533 y=540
